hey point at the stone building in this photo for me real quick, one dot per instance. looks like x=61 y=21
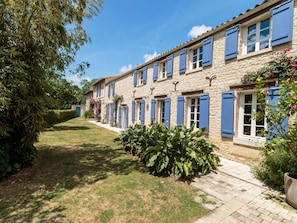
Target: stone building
x=199 y=82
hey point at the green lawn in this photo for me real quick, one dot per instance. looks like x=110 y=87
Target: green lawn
x=81 y=175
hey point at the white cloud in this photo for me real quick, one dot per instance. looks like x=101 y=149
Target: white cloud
x=125 y=68
x=76 y=79
x=148 y=57
x=198 y=30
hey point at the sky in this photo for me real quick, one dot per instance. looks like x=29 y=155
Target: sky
x=127 y=33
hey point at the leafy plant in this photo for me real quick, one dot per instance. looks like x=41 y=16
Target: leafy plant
x=182 y=152
x=281 y=147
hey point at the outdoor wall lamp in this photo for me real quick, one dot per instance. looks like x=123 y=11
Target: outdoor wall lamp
x=210 y=79
x=175 y=83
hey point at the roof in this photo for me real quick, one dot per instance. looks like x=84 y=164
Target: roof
x=229 y=23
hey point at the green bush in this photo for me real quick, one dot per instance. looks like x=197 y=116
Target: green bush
x=89 y=114
x=182 y=152
x=53 y=117
x=271 y=169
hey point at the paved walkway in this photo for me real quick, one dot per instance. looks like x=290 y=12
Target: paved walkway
x=234 y=195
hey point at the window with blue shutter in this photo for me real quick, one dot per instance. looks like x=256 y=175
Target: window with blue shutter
x=135 y=78
x=167 y=112
x=133 y=111
x=97 y=91
x=142 y=107
x=231 y=42
x=227 y=115
x=126 y=117
x=108 y=90
x=155 y=71
x=153 y=110
x=169 y=66
x=120 y=117
x=144 y=75
x=107 y=113
x=112 y=114
x=113 y=88
x=273 y=95
x=282 y=20
x=180 y=111
x=204 y=112
x=207 y=52
x=182 y=61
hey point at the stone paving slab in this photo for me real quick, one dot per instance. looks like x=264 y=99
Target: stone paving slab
x=240 y=197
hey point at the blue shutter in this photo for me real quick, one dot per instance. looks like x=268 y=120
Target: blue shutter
x=153 y=110
x=133 y=111
x=180 y=111
x=135 y=78
x=113 y=88
x=144 y=74
x=107 y=113
x=231 y=42
x=169 y=65
x=120 y=117
x=155 y=72
x=207 y=52
x=142 y=107
x=204 y=112
x=282 y=23
x=112 y=114
x=97 y=91
x=182 y=61
x=167 y=112
x=108 y=90
x=227 y=117
x=273 y=95
x=126 y=117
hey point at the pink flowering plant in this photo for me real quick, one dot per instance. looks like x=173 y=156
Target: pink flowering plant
x=280 y=151
x=280 y=67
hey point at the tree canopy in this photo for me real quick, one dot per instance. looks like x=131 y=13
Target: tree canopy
x=38 y=40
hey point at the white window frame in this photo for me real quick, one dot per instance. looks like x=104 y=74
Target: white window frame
x=189 y=105
x=249 y=140
x=138 y=111
x=140 y=77
x=160 y=111
x=257 y=21
x=162 y=70
x=197 y=64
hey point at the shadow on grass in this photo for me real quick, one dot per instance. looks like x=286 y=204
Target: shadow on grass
x=56 y=171
x=65 y=127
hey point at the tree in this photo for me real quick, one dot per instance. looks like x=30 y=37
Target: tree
x=63 y=94
x=85 y=87
x=38 y=40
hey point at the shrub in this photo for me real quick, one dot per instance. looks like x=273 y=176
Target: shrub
x=89 y=114
x=53 y=117
x=271 y=170
x=182 y=152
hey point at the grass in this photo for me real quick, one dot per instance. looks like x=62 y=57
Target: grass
x=81 y=175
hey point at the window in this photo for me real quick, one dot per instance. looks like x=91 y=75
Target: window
x=161 y=111
x=140 y=77
x=194 y=112
x=138 y=111
x=248 y=126
x=163 y=70
x=196 y=58
x=258 y=36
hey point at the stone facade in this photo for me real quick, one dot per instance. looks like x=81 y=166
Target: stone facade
x=210 y=80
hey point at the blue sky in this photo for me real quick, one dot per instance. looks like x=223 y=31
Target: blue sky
x=127 y=33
